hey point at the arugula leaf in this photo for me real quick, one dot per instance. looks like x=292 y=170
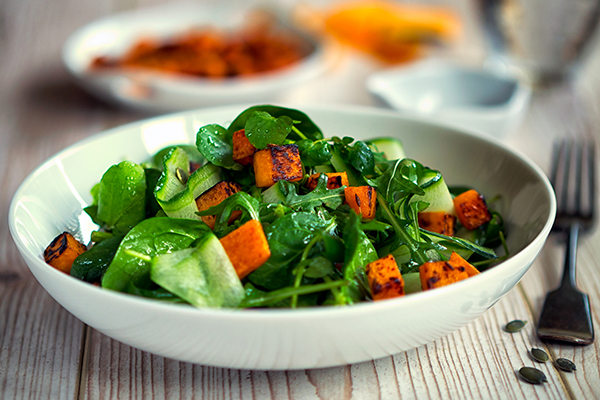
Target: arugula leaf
x=399 y=179
x=215 y=143
x=288 y=236
x=475 y=248
x=262 y=129
x=320 y=196
x=242 y=201
x=122 y=197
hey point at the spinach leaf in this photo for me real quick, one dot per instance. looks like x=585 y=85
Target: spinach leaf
x=301 y=121
x=215 y=143
x=288 y=236
x=91 y=265
x=152 y=206
x=156 y=293
x=314 y=153
x=150 y=237
x=122 y=197
x=361 y=157
x=359 y=252
x=263 y=129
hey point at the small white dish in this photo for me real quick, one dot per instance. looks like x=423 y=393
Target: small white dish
x=161 y=92
x=52 y=198
x=468 y=98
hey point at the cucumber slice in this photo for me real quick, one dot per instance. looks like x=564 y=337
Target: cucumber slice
x=176 y=198
x=436 y=194
x=412 y=282
x=392 y=148
x=324 y=169
x=274 y=194
x=202 y=275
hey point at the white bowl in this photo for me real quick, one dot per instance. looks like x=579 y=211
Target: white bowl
x=467 y=98
x=51 y=199
x=157 y=92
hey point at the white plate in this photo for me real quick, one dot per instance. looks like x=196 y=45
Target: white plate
x=464 y=97
x=51 y=199
x=156 y=92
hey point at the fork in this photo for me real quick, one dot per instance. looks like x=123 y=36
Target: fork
x=566 y=314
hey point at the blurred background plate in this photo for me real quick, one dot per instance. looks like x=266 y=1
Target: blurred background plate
x=162 y=92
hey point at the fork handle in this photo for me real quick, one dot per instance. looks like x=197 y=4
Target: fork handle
x=569 y=277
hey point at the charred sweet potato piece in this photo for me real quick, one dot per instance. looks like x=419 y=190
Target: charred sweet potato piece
x=437 y=221
x=334 y=180
x=441 y=273
x=213 y=197
x=247 y=247
x=277 y=163
x=471 y=209
x=362 y=199
x=385 y=279
x=243 y=150
x=459 y=262
x=63 y=250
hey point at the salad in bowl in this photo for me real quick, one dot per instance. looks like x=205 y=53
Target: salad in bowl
x=270 y=238
x=268 y=212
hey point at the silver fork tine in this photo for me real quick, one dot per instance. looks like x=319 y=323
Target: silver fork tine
x=566 y=314
x=591 y=148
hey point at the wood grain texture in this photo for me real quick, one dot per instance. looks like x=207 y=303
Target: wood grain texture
x=47 y=353
x=41 y=112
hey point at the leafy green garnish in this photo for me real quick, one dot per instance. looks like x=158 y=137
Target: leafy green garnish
x=320 y=196
x=262 y=129
x=150 y=237
x=215 y=143
x=122 y=197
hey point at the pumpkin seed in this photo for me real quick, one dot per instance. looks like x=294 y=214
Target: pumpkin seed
x=515 y=326
x=532 y=375
x=181 y=175
x=539 y=355
x=566 y=365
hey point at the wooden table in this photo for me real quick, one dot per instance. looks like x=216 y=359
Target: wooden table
x=47 y=353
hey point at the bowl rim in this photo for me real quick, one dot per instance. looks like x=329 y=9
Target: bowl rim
x=269 y=313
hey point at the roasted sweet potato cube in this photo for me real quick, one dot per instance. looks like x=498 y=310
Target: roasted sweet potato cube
x=243 y=150
x=277 y=163
x=471 y=209
x=334 y=180
x=458 y=262
x=63 y=250
x=247 y=247
x=441 y=273
x=385 y=279
x=362 y=199
x=213 y=197
x=437 y=221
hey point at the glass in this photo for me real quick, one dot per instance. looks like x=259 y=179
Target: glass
x=540 y=40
